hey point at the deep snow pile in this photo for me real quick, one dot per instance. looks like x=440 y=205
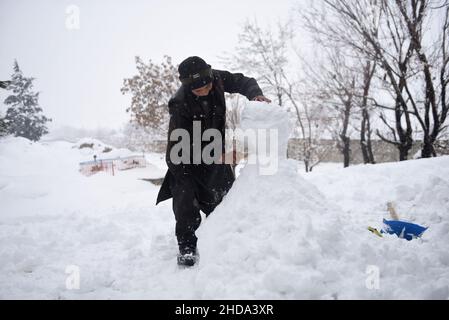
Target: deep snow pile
x=286 y=235
x=273 y=236
x=52 y=218
x=417 y=269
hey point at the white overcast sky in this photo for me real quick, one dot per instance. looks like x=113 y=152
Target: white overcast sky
x=80 y=72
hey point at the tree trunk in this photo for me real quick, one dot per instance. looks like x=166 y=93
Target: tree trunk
x=346 y=151
x=365 y=139
x=370 y=148
x=428 y=150
x=346 y=141
x=363 y=143
x=365 y=132
x=403 y=153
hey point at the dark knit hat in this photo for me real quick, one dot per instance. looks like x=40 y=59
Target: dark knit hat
x=195 y=73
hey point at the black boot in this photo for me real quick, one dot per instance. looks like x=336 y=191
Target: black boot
x=187 y=257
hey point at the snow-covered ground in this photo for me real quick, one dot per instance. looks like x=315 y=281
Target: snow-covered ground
x=285 y=236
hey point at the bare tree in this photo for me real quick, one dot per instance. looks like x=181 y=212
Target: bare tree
x=309 y=118
x=395 y=35
x=341 y=83
x=334 y=82
x=264 y=53
x=321 y=28
x=313 y=127
x=435 y=106
x=373 y=31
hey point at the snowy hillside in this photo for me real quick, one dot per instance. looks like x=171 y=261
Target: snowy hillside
x=285 y=236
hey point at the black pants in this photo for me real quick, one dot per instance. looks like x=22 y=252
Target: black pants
x=191 y=194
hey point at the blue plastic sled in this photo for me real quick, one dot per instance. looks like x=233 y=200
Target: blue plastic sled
x=403 y=229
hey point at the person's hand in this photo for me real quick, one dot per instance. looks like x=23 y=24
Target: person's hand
x=232 y=157
x=262 y=99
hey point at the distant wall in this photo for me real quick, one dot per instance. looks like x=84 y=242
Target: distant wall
x=158 y=146
x=383 y=152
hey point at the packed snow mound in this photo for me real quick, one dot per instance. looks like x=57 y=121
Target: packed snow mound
x=262 y=116
x=273 y=236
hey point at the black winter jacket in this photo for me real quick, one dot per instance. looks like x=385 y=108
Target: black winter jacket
x=184 y=108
